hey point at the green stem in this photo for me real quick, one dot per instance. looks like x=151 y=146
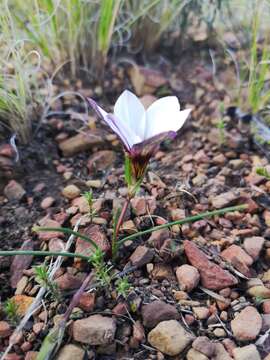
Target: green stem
x=184 y=221
x=66 y=231
x=43 y=253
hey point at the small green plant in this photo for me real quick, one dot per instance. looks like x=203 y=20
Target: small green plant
x=88 y=195
x=102 y=270
x=262 y=171
x=11 y=311
x=122 y=286
x=42 y=278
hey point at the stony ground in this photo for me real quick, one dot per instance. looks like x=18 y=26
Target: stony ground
x=198 y=291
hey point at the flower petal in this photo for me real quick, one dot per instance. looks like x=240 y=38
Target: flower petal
x=130 y=112
x=123 y=132
x=164 y=115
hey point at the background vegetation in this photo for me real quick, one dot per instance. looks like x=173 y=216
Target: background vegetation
x=40 y=37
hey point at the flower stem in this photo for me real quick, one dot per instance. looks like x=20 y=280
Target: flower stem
x=118 y=225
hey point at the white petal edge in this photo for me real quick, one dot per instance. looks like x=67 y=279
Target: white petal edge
x=164 y=115
x=131 y=113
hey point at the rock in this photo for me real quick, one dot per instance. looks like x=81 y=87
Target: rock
x=56 y=244
x=141 y=256
x=188 y=277
x=31 y=355
x=81 y=142
x=158 y=311
x=259 y=291
x=247 y=324
x=101 y=160
x=94 y=330
x=248 y=352
x=14 y=191
x=20 y=263
x=95 y=233
x=5 y=329
x=169 y=337
x=139 y=205
x=71 y=352
x=266 y=307
x=21 y=285
x=219 y=332
x=253 y=246
x=220 y=353
x=213 y=277
x=68 y=281
x=38 y=327
x=238 y=257
x=224 y=199
x=204 y=346
x=87 y=301
x=201 y=312
x=138 y=332
x=195 y=355
x=22 y=302
x=47 y=202
x=162 y=272
x=158 y=237
x=48 y=235
x=71 y=191
x=236 y=251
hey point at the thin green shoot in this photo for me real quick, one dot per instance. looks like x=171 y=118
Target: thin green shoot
x=11 y=311
x=41 y=274
x=183 y=221
x=88 y=195
x=102 y=270
x=122 y=286
x=262 y=171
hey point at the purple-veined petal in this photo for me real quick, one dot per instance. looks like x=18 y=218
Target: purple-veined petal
x=112 y=122
x=131 y=113
x=148 y=147
x=164 y=115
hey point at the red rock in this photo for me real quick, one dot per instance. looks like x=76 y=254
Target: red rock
x=204 y=345
x=31 y=355
x=5 y=329
x=68 y=282
x=20 y=263
x=162 y=272
x=13 y=356
x=37 y=327
x=253 y=246
x=141 y=256
x=120 y=309
x=225 y=199
x=158 y=311
x=56 y=245
x=101 y=160
x=138 y=331
x=212 y=275
x=188 y=277
x=87 y=301
x=48 y=235
x=238 y=257
x=266 y=307
x=158 y=237
x=26 y=346
x=14 y=191
x=139 y=205
x=247 y=324
x=95 y=233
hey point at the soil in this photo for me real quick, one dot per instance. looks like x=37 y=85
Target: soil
x=186 y=175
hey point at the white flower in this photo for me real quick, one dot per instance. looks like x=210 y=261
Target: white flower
x=133 y=124
x=141 y=131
